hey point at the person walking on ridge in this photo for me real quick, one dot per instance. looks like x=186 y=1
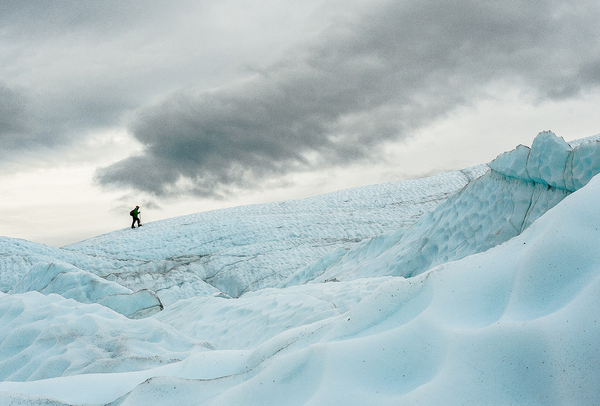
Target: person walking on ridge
x=135 y=213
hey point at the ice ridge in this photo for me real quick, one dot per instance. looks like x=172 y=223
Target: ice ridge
x=521 y=186
x=248 y=248
x=551 y=161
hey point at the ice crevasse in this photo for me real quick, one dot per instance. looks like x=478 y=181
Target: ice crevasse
x=520 y=186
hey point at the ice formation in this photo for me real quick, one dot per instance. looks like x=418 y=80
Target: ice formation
x=521 y=186
x=473 y=287
x=48 y=336
x=238 y=250
x=551 y=161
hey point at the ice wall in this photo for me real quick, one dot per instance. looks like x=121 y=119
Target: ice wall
x=522 y=185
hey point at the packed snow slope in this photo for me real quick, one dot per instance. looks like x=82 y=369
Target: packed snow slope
x=473 y=287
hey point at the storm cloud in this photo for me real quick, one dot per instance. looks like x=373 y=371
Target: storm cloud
x=367 y=80
x=70 y=68
x=15 y=121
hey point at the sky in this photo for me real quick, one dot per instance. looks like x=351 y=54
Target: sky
x=193 y=106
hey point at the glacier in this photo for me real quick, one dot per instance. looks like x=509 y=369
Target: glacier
x=478 y=286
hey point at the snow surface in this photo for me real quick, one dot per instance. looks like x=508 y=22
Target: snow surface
x=472 y=287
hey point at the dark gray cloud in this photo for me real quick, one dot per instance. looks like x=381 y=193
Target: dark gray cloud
x=13 y=116
x=366 y=81
x=20 y=127
x=72 y=68
x=75 y=68
x=29 y=19
x=30 y=121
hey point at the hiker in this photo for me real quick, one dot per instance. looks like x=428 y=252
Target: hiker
x=135 y=214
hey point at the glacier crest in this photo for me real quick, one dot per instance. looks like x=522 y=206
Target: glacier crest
x=522 y=185
x=551 y=161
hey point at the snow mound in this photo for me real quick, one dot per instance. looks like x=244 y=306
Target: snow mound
x=259 y=316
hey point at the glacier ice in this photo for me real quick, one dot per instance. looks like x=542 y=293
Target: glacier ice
x=73 y=283
x=239 y=250
x=583 y=164
x=515 y=324
x=45 y=336
x=475 y=287
x=547 y=160
x=552 y=161
x=67 y=281
x=137 y=305
x=513 y=163
x=520 y=187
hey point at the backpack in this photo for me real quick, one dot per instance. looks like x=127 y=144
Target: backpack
x=131 y=213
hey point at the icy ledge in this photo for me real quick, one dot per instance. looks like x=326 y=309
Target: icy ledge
x=551 y=161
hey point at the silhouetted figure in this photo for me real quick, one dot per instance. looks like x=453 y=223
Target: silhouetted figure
x=135 y=213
